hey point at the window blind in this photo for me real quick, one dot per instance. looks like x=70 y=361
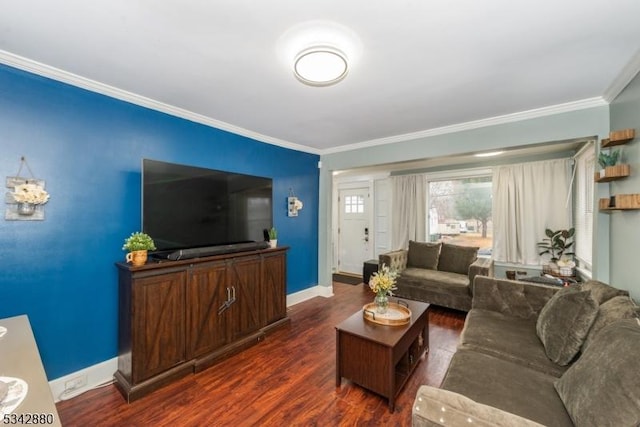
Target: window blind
x=583 y=205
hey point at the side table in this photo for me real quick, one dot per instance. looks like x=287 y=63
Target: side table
x=368 y=268
x=381 y=358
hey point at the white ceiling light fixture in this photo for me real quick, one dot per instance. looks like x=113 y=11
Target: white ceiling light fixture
x=321 y=66
x=321 y=53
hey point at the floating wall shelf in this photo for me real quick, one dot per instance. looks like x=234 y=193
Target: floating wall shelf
x=620 y=202
x=611 y=173
x=618 y=137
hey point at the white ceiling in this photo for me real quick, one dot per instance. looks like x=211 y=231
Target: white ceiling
x=418 y=66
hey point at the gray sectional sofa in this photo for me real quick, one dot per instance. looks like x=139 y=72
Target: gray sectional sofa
x=437 y=273
x=533 y=355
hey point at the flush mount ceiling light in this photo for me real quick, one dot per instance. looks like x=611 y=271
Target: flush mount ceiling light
x=320 y=66
x=321 y=53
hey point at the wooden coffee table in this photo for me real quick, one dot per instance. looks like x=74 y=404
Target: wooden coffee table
x=378 y=357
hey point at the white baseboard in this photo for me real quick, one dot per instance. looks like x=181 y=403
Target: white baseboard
x=306 y=294
x=98 y=374
x=102 y=373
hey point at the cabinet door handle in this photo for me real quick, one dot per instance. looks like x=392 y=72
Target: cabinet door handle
x=228 y=295
x=223 y=307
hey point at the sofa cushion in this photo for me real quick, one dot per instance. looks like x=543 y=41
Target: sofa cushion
x=456 y=259
x=437 y=280
x=423 y=255
x=617 y=308
x=506 y=385
x=509 y=338
x=601 y=388
x=601 y=292
x=435 y=406
x=564 y=323
x=435 y=287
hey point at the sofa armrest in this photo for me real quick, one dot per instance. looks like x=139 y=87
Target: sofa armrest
x=438 y=407
x=396 y=260
x=481 y=267
x=511 y=297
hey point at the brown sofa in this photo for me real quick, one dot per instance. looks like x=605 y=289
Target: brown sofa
x=533 y=355
x=437 y=273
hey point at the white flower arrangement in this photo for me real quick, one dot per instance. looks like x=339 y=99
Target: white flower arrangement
x=383 y=281
x=30 y=193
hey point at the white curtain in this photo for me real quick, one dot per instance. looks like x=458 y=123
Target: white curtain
x=527 y=199
x=408 y=210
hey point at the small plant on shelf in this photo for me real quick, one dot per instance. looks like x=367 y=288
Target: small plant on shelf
x=608 y=159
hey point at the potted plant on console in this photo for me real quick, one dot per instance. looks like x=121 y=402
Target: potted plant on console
x=273 y=237
x=138 y=245
x=557 y=244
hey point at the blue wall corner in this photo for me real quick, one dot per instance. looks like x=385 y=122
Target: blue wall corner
x=88 y=149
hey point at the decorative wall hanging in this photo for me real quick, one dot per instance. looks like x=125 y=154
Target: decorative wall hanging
x=27 y=196
x=293 y=204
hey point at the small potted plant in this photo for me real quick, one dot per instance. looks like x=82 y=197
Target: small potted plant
x=607 y=160
x=273 y=237
x=557 y=244
x=138 y=245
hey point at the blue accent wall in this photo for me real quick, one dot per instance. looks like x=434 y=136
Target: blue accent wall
x=88 y=148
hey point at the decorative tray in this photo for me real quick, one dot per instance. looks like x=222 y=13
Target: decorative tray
x=397 y=314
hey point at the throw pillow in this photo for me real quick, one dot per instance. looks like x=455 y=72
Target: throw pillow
x=601 y=389
x=423 y=255
x=457 y=259
x=601 y=292
x=564 y=323
x=617 y=308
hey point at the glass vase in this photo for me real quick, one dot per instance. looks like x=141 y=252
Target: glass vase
x=26 y=209
x=382 y=302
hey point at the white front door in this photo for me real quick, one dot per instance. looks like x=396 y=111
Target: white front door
x=354 y=233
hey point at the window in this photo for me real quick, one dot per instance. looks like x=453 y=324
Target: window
x=583 y=205
x=460 y=211
x=353 y=204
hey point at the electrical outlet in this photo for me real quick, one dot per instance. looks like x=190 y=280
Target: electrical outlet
x=75 y=383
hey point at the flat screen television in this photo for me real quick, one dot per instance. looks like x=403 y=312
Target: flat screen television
x=187 y=207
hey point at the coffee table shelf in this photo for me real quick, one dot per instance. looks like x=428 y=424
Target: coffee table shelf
x=381 y=358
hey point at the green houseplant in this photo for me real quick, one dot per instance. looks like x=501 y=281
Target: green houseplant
x=138 y=245
x=557 y=243
x=608 y=159
x=273 y=237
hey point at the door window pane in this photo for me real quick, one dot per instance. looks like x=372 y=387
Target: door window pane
x=354 y=204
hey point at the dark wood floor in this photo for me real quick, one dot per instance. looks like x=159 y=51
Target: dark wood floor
x=288 y=379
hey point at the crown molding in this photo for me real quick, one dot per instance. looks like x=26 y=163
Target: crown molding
x=57 y=74
x=625 y=76
x=492 y=121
